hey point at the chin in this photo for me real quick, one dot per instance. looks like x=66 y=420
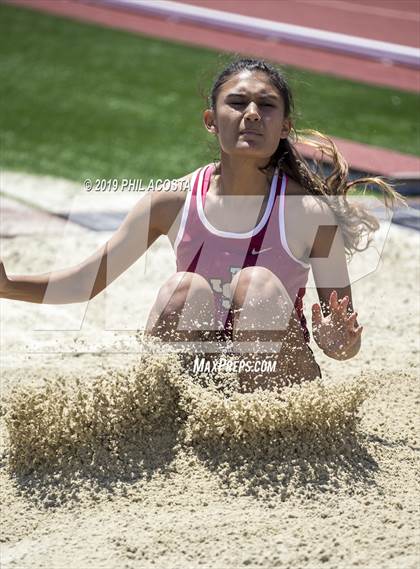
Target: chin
x=249 y=150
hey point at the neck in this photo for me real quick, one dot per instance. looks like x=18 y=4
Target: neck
x=239 y=176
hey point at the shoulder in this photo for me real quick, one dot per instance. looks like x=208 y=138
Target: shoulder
x=160 y=204
x=311 y=207
x=167 y=200
x=309 y=219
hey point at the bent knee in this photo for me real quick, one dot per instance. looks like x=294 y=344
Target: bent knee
x=181 y=286
x=260 y=281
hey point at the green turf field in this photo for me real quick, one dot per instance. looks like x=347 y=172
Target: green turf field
x=81 y=101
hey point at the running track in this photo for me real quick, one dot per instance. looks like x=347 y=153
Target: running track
x=366 y=18
x=396 y=22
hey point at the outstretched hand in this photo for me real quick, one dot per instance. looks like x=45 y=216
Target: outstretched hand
x=337 y=334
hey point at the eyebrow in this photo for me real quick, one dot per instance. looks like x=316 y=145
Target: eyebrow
x=262 y=96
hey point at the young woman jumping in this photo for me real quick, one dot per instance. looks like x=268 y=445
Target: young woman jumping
x=245 y=234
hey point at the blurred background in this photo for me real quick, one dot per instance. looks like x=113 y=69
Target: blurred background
x=116 y=89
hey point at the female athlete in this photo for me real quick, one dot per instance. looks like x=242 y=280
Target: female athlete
x=245 y=230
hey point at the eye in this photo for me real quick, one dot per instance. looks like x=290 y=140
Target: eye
x=245 y=103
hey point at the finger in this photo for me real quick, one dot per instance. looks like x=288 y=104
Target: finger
x=316 y=315
x=351 y=320
x=333 y=300
x=343 y=304
x=357 y=332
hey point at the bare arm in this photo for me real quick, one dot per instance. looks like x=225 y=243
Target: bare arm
x=335 y=326
x=151 y=217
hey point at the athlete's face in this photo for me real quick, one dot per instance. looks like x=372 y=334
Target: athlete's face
x=249 y=116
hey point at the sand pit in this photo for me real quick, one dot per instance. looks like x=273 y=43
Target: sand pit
x=113 y=456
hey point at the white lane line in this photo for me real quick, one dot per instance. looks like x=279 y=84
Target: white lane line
x=301 y=35
x=361 y=9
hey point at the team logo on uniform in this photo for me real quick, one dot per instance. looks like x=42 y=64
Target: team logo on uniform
x=254 y=252
x=224 y=288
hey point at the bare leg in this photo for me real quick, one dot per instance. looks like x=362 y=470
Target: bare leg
x=266 y=328
x=184 y=313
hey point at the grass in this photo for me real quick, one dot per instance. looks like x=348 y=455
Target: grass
x=83 y=101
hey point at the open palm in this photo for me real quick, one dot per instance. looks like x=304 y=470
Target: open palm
x=336 y=333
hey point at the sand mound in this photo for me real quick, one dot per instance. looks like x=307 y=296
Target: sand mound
x=66 y=424
x=127 y=426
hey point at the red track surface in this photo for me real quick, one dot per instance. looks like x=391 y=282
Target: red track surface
x=379 y=25
x=295 y=11
x=395 y=22
x=399 y=24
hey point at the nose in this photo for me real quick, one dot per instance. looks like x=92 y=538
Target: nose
x=251 y=112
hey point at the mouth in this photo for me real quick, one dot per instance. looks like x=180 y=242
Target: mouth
x=254 y=132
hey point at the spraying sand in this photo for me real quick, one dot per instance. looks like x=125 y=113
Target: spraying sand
x=114 y=456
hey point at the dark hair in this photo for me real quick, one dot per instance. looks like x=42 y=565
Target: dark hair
x=355 y=222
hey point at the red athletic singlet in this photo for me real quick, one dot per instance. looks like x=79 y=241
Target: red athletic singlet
x=217 y=255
